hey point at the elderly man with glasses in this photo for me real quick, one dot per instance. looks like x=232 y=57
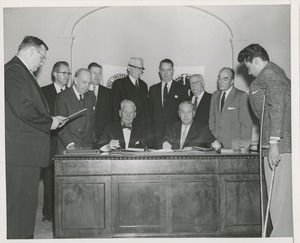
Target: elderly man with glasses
x=133 y=88
x=200 y=99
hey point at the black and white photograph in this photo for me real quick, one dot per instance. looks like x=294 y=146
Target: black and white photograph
x=150 y=120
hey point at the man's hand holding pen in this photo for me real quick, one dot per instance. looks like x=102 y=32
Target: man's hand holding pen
x=114 y=144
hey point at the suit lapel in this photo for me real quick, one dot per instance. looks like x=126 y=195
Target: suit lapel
x=120 y=134
x=229 y=99
x=159 y=97
x=201 y=103
x=178 y=135
x=133 y=137
x=192 y=130
x=217 y=103
x=172 y=91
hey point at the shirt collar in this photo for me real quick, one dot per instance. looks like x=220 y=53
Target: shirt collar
x=132 y=79
x=76 y=92
x=168 y=84
x=24 y=63
x=227 y=91
x=58 y=88
x=199 y=96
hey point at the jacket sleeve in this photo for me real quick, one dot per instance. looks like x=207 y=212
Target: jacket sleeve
x=60 y=109
x=212 y=117
x=246 y=123
x=19 y=95
x=275 y=100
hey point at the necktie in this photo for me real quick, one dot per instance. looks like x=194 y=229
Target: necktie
x=61 y=90
x=81 y=100
x=95 y=92
x=223 y=100
x=183 y=136
x=165 y=94
x=136 y=84
x=195 y=103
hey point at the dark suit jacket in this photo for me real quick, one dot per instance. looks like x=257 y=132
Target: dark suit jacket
x=80 y=130
x=202 y=112
x=114 y=131
x=27 y=118
x=49 y=92
x=198 y=135
x=168 y=114
x=103 y=109
x=235 y=122
x=273 y=82
x=125 y=89
x=160 y=116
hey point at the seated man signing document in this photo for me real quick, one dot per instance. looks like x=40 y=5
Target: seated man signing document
x=188 y=133
x=122 y=134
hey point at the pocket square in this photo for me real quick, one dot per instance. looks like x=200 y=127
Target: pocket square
x=231 y=108
x=137 y=142
x=176 y=97
x=94 y=108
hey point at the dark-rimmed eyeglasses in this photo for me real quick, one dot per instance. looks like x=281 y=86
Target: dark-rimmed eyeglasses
x=42 y=56
x=65 y=73
x=135 y=67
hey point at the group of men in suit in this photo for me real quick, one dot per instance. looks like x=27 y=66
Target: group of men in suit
x=130 y=116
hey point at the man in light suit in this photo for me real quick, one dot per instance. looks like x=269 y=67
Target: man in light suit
x=230 y=120
x=164 y=99
x=200 y=99
x=272 y=82
x=60 y=76
x=103 y=99
x=133 y=88
x=124 y=133
x=79 y=132
x=27 y=136
x=187 y=132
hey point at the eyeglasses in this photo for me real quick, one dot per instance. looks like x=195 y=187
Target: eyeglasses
x=135 y=67
x=65 y=73
x=42 y=56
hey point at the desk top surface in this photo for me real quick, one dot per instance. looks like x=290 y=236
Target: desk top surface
x=124 y=155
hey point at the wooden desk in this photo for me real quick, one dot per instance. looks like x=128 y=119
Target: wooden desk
x=193 y=194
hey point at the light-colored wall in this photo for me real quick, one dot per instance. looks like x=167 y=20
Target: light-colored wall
x=190 y=36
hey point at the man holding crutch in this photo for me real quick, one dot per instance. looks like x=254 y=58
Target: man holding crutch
x=272 y=83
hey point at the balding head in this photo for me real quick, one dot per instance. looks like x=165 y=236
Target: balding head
x=82 y=80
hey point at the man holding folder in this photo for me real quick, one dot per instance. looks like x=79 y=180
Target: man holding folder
x=79 y=132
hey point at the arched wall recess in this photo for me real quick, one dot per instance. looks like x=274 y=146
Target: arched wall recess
x=67 y=34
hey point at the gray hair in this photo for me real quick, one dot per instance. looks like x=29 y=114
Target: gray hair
x=124 y=102
x=186 y=102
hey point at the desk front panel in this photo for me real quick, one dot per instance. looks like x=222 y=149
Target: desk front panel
x=150 y=196
x=155 y=205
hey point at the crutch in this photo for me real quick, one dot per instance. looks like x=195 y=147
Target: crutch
x=269 y=202
x=261 y=167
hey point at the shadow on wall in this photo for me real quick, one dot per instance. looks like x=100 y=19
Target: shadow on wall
x=243 y=72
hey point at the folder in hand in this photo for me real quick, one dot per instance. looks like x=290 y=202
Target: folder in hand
x=75 y=114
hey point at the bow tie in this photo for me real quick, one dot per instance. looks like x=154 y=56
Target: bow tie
x=128 y=127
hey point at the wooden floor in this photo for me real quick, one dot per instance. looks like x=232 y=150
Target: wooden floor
x=42 y=230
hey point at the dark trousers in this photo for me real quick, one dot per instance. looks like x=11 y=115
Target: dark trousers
x=48 y=181
x=22 y=183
